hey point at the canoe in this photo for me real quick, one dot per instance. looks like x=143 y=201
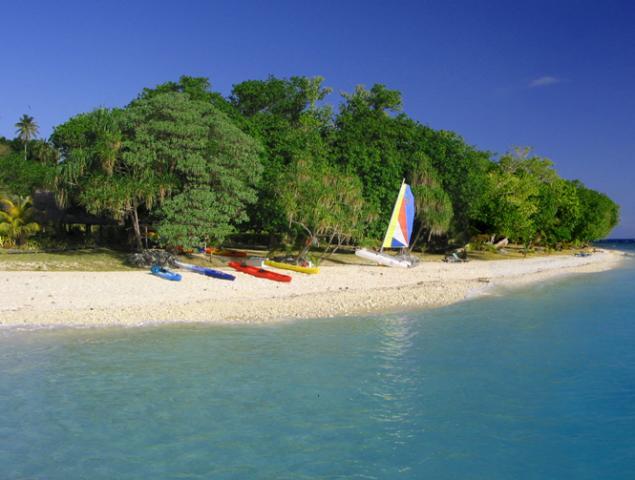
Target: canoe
x=209 y=272
x=165 y=273
x=384 y=259
x=291 y=266
x=260 y=272
x=224 y=252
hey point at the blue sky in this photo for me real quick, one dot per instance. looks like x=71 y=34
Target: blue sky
x=555 y=75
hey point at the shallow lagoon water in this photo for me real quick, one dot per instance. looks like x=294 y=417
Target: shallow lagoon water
x=530 y=384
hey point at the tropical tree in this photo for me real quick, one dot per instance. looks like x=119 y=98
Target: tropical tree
x=91 y=172
x=23 y=177
x=44 y=152
x=16 y=219
x=27 y=129
x=217 y=168
x=286 y=98
x=462 y=172
x=432 y=204
x=558 y=211
x=511 y=200
x=375 y=146
x=275 y=112
x=323 y=203
x=598 y=216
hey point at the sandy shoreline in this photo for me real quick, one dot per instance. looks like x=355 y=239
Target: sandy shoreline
x=138 y=298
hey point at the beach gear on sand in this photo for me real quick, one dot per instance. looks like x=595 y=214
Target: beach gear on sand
x=398 y=232
x=293 y=267
x=210 y=272
x=384 y=259
x=454 y=258
x=260 y=272
x=165 y=273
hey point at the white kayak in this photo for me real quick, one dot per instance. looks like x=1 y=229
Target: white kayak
x=384 y=259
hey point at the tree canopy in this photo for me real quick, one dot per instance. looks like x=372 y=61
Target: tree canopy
x=275 y=158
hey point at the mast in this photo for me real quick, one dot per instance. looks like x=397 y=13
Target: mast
x=394 y=209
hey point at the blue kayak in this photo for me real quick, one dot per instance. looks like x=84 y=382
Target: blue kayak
x=210 y=272
x=165 y=273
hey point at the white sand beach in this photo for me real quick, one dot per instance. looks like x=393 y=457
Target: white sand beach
x=138 y=298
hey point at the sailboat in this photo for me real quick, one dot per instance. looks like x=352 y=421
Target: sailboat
x=398 y=233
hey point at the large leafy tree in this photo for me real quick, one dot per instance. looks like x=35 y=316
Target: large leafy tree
x=22 y=177
x=462 y=172
x=93 y=172
x=217 y=167
x=168 y=149
x=370 y=143
x=285 y=98
x=26 y=129
x=598 y=214
x=510 y=202
x=274 y=110
x=558 y=211
x=198 y=89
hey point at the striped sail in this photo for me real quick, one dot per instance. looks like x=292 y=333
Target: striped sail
x=403 y=216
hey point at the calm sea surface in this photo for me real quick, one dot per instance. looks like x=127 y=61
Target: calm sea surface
x=532 y=384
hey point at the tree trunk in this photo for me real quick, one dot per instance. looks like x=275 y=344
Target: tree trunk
x=135 y=227
x=416 y=239
x=25 y=151
x=311 y=239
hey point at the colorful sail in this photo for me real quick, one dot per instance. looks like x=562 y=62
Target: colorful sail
x=403 y=217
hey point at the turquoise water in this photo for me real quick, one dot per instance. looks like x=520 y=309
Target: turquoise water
x=533 y=384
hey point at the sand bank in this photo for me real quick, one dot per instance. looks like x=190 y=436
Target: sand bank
x=138 y=298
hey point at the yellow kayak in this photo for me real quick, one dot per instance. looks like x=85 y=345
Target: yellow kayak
x=290 y=266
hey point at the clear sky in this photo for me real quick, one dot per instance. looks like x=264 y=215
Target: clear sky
x=555 y=75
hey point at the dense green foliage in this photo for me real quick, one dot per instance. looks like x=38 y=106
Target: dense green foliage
x=274 y=159
x=170 y=156
x=22 y=177
x=16 y=220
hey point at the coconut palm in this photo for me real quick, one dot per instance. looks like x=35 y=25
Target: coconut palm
x=16 y=219
x=27 y=129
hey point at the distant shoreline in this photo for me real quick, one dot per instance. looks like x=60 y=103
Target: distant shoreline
x=102 y=299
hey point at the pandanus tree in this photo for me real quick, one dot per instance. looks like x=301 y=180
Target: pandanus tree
x=322 y=202
x=16 y=219
x=320 y=199
x=100 y=174
x=433 y=205
x=27 y=129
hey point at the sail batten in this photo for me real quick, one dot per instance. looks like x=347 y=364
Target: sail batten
x=400 y=226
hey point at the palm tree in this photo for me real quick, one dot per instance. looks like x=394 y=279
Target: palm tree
x=16 y=217
x=27 y=129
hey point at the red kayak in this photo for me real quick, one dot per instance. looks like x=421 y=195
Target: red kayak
x=260 y=272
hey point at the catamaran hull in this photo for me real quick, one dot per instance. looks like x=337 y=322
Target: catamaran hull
x=383 y=259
